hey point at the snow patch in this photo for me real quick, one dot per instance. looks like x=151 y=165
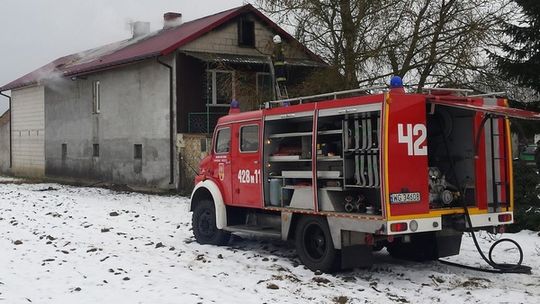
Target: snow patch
x=62 y=244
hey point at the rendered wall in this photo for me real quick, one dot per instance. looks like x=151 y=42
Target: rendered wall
x=134 y=110
x=4 y=143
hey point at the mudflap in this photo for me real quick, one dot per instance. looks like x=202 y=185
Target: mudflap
x=448 y=242
x=427 y=246
x=356 y=256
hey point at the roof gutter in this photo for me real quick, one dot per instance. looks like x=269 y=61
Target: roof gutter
x=171 y=119
x=10 y=136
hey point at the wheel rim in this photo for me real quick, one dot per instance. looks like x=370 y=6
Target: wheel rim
x=206 y=224
x=315 y=242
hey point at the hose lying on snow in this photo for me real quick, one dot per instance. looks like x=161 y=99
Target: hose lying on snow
x=497 y=268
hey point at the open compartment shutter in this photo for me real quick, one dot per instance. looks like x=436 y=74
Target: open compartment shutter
x=491 y=109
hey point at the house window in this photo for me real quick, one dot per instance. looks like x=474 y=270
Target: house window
x=246 y=33
x=220 y=87
x=223 y=141
x=137 y=151
x=95 y=150
x=96 y=97
x=249 y=138
x=64 y=151
x=265 y=90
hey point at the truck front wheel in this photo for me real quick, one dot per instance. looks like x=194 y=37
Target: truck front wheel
x=204 y=225
x=314 y=244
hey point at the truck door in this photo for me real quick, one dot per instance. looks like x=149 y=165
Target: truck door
x=246 y=166
x=407 y=152
x=222 y=161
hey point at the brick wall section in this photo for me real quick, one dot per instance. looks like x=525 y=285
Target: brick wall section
x=190 y=154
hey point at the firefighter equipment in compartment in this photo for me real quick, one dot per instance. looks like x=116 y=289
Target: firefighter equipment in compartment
x=346 y=156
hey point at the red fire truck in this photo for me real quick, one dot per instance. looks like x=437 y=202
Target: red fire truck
x=345 y=174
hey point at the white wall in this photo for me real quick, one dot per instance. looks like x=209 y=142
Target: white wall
x=28 y=131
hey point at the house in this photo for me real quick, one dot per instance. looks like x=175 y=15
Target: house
x=139 y=111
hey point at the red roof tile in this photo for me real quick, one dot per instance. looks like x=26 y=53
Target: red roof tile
x=156 y=44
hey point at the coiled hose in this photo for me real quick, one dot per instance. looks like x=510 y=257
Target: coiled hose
x=497 y=268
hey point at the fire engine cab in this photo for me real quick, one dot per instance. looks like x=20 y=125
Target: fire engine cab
x=347 y=173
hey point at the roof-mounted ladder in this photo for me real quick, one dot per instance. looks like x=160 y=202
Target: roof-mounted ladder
x=430 y=91
x=490 y=94
x=326 y=96
x=465 y=92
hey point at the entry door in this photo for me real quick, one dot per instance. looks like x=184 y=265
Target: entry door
x=246 y=168
x=222 y=161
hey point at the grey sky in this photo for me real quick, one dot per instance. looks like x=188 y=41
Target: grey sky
x=35 y=32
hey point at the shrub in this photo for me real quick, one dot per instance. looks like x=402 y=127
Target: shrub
x=526 y=201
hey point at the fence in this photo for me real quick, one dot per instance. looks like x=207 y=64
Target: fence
x=203 y=122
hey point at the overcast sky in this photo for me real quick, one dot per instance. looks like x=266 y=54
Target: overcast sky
x=35 y=32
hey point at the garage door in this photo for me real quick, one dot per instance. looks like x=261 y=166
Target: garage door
x=28 y=125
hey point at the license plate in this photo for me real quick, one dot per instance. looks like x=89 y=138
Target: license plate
x=401 y=198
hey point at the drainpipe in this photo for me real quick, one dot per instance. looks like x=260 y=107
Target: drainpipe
x=171 y=120
x=10 y=136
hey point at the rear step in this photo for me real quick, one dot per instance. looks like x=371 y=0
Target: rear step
x=270 y=232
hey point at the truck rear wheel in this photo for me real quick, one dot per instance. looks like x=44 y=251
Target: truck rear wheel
x=204 y=225
x=314 y=244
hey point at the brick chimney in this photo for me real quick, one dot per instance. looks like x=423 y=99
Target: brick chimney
x=171 y=19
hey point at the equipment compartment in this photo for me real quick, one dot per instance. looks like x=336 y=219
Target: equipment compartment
x=288 y=177
x=349 y=143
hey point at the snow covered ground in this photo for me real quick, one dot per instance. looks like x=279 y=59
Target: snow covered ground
x=7 y=179
x=61 y=244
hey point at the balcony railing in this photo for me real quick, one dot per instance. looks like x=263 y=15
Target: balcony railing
x=203 y=122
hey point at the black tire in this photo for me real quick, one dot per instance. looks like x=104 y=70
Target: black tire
x=314 y=244
x=204 y=225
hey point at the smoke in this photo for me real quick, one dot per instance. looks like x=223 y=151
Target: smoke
x=54 y=80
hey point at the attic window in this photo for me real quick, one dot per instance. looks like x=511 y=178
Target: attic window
x=246 y=33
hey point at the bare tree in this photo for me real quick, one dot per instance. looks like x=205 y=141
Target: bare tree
x=425 y=41
x=444 y=41
x=346 y=33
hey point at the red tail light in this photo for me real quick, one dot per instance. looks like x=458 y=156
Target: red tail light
x=398 y=227
x=507 y=217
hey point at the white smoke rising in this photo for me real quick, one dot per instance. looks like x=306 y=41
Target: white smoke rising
x=53 y=79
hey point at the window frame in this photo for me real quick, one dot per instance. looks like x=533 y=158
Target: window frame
x=258 y=90
x=213 y=85
x=242 y=33
x=218 y=130
x=240 y=138
x=95 y=150
x=135 y=146
x=63 y=151
x=96 y=97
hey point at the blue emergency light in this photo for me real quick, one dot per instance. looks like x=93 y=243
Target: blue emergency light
x=396 y=82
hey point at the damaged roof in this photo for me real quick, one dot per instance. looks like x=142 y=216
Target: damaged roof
x=160 y=43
